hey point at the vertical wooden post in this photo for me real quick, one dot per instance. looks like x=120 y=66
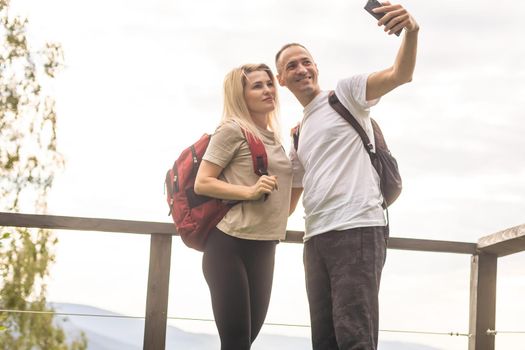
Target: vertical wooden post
x=483 y=277
x=158 y=291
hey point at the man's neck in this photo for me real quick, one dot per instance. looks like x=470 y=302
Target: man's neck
x=305 y=99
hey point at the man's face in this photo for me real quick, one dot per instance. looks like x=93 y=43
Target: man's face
x=298 y=72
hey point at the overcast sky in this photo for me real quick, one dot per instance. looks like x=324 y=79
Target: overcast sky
x=143 y=80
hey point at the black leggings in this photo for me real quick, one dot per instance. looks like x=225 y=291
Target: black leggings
x=239 y=273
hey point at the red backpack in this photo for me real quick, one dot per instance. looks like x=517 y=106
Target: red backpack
x=195 y=215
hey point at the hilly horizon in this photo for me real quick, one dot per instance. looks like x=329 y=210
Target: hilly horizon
x=109 y=333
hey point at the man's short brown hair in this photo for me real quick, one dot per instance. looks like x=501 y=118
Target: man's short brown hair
x=278 y=55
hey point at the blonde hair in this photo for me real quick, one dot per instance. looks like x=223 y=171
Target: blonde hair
x=235 y=107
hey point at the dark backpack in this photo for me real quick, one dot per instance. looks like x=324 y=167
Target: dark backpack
x=195 y=215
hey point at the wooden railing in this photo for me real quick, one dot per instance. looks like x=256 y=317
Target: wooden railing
x=483 y=277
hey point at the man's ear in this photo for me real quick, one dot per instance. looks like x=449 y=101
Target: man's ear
x=280 y=80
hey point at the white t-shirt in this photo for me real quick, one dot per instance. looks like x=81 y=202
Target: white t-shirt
x=341 y=187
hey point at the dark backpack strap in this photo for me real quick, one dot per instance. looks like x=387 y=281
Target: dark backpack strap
x=378 y=136
x=259 y=157
x=345 y=113
x=295 y=136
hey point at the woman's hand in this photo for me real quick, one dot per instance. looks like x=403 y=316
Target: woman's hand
x=265 y=185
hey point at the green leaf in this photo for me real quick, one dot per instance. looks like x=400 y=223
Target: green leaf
x=28 y=162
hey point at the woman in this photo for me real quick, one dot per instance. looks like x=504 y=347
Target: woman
x=238 y=259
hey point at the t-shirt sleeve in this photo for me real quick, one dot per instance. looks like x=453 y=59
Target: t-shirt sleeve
x=352 y=92
x=223 y=144
x=297 y=168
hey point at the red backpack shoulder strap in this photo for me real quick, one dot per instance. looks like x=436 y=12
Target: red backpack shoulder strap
x=259 y=157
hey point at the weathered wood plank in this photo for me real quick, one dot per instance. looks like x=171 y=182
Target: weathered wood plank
x=409 y=244
x=85 y=224
x=428 y=245
x=506 y=242
x=294 y=237
x=158 y=292
x=482 y=316
x=144 y=227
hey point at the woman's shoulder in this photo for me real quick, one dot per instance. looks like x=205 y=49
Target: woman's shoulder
x=229 y=132
x=229 y=127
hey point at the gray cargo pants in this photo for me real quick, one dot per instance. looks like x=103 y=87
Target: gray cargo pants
x=343 y=273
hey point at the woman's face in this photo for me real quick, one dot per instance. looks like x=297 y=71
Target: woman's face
x=259 y=93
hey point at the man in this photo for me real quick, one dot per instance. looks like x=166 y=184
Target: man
x=346 y=233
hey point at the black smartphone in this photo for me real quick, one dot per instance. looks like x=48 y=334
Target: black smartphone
x=372 y=4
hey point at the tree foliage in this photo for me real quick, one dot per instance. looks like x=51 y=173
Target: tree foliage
x=28 y=161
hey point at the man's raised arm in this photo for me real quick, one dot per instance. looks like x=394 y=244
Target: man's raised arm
x=382 y=82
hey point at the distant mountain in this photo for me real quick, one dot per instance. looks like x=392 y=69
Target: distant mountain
x=107 y=333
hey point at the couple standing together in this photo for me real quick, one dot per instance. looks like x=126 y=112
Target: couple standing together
x=345 y=230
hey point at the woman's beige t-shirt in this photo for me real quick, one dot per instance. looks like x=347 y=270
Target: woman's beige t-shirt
x=259 y=219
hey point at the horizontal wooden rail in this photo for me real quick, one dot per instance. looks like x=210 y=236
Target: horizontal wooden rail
x=147 y=227
x=427 y=245
x=85 y=224
x=423 y=245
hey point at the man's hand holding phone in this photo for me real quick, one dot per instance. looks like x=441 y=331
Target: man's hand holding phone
x=393 y=17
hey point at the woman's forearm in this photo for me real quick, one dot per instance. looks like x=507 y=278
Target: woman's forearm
x=213 y=187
